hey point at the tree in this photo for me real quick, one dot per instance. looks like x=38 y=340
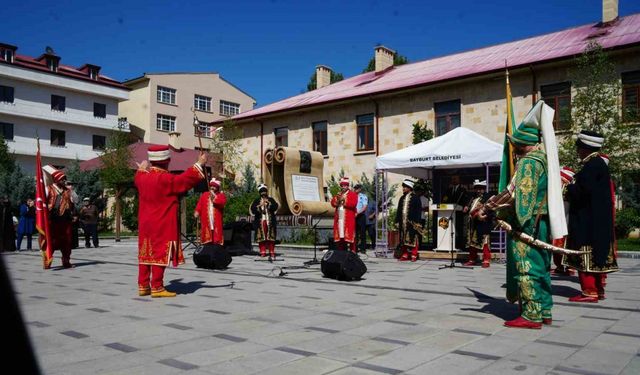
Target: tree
x=313 y=84
x=397 y=60
x=248 y=184
x=227 y=142
x=596 y=107
x=14 y=184
x=88 y=183
x=7 y=162
x=421 y=133
x=116 y=173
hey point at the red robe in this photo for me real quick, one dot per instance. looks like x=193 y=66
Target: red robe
x=158 y=234
x=207 y=205
x=350 y=204
x=60 y=220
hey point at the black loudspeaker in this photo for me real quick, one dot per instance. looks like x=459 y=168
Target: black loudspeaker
x=342 y=265
x=237 y=238
x=213 y=257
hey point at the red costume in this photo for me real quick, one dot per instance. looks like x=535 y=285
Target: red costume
x=210 y=209
x=159 y=237
x=61 y=210
x=344 y=219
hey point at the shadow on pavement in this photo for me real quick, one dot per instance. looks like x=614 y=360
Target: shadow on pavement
x=179 y=287
x=494 y=306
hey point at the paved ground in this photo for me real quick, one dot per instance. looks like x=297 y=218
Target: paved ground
x=403 y=318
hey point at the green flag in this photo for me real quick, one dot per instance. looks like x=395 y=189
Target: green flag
x=507 y=166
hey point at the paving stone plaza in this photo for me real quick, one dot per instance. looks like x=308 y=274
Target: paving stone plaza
x=401 y=318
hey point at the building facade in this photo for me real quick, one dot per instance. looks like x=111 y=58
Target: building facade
x=353 y=121
x=162 y=103
x=71 y=110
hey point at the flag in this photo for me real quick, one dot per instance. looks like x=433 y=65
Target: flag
x=507 y=167
x=42 y=213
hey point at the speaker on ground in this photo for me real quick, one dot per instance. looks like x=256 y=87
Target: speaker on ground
x=342 y=265
x=213 y=257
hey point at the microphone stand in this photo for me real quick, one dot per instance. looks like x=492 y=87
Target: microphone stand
x=315 y=242
x=453 y=263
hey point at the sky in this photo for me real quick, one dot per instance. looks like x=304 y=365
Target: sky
x=270 y=49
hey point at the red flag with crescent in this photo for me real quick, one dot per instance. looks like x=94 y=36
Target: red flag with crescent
x=42 y=214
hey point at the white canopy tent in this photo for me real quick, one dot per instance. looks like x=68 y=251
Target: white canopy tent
x=459 y=148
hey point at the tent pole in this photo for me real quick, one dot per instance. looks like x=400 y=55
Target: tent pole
x=486 y=165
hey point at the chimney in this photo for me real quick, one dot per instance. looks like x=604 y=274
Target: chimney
x=174 y=141
x=609 y=10
x=323 y=76
x=384 y=58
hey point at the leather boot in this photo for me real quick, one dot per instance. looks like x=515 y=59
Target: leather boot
x=486 y=256
x=142 y=291
x=473 y=257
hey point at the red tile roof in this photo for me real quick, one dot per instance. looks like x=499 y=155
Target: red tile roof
x=623 y=32
x=81 y=73
x=180 y=159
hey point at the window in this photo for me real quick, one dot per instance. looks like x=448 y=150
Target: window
x=165 y=123
x=631 y=96
x=365 y=132
x=6 y=130
x=7 y=55
x=99 y=142
x=58 y=103
x=52 y=63
x=206 y=130
x=57 y=137
x=6 y=94
x=282 y=137
x=447 y=116
x=99 y=110
x=320 y=136
x=558 y=97
x=228 y=108
x=93 y=73
x=202 y=103
x=166 y=95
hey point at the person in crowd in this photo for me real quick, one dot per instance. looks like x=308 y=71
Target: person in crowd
x=479 y=230
x=361 y=219
x=158 y=232
x=26 y=223
x=7 y=230
x=344 y=218
x=371 y=223
x=75 y=222
x=89 y=219
x=591 y=219
x=525 y=199
x=210 y=210
x=263 y=210
x=456 y=193
x=61 y=216
x=408 y=217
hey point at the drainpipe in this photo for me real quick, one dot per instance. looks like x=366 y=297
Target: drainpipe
x=375 y=116
x=534 y=84
x=261 y=150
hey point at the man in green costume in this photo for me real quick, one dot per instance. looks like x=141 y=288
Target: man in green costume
x=524 y=205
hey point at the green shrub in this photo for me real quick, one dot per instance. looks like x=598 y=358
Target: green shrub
x=626 y=220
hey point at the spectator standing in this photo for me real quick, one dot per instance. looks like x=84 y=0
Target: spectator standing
x=361 y=219
x=89 y=221
x=7 y=230
x=26 y=223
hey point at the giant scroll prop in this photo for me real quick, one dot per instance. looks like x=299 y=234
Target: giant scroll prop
x=294 y=178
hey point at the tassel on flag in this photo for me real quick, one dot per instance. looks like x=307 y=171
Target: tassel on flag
x=42 y=214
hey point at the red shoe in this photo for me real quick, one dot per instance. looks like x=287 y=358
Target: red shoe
x=414 y=258
x=486 y=264
x=469 y=263
x=547 y=321
x=582 y=298
x=521 y=322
